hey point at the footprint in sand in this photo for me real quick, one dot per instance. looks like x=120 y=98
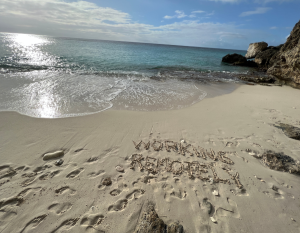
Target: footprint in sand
x=274 y=192
x=115 y=192
x=92 y=159
x=7 y=172
x=121 y=204
x=135 y=194
x=66 y=225
x=75 y=173
x=95 y=174
x=19 y=169
x=181 y=194
x=171 y=192
x=91 y=221
x=42 y=168
x=29 y=175
x=65 y=189
x=34 y=222
x=36 y=171
x=9 y=207
x=207 y=207
x=60 y=208
x=25 y=192
x=27 y=182
x=49 y=175
x=229 y=211
x=121 y=187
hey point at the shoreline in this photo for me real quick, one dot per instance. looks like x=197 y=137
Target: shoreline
x=72 y=196
x=123 y=101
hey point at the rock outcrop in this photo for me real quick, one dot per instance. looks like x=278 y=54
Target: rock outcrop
x=232 y=58
x=255 y=48
x=150 y=223
x=286 y=63
x=290 y=131
x=279 y=162
x=247 y=63
x=238 y=60
x=257 y=79
x=264 y=58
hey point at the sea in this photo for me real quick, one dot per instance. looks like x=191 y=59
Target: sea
x=50 y=77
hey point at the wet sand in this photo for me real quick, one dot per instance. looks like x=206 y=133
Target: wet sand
x=232 y=186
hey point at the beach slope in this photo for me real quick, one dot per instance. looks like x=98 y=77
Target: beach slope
x=215 y=184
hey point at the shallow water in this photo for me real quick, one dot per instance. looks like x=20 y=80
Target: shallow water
x=49 y=77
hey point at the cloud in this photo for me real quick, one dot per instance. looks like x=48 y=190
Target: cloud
x=178 y=15
x=81 y=12
x=197 y=12
x=87 y=20
x=193 y=13
x=259 y=10
x=273 y=28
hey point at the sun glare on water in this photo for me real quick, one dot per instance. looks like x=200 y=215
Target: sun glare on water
x=27 y=40
x=38 y=92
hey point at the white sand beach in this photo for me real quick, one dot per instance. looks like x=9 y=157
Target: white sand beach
x=38 y=196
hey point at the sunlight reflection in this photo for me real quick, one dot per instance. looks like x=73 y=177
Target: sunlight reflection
x=31 y=54
x=29 y=49
x=41 y=98
x=27 y=40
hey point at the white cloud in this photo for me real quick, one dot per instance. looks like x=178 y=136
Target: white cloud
x=197 y=12
x=193 y=13
x=81 y=12
x=273 y=28
x=259 y=10
x=83 y=19
x=178 y=15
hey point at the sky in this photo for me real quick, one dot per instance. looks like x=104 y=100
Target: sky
x=229 y=24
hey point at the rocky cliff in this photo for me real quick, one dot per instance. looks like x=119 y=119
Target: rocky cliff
x=286 y=63
x=255 y=48
x=264 y=58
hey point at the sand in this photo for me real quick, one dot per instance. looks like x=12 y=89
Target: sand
x=77 y=196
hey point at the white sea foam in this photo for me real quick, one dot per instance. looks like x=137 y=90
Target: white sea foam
x=56 y=94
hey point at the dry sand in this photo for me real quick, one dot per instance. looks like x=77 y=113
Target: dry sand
x=37 y=196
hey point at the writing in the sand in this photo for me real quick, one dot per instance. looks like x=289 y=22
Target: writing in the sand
x=195 y=169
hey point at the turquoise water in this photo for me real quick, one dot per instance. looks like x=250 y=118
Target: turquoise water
x=43 y=76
